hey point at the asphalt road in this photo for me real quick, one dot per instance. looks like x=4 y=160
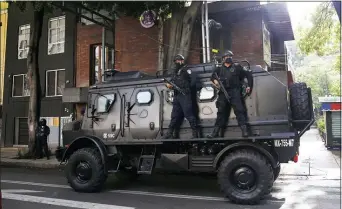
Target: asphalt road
x=48 y=189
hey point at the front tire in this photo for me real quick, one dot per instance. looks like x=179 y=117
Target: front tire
x=276 y=172
x=85 y=170
x=245 y=176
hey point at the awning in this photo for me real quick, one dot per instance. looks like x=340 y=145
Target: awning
x=331 y=106
x=278 y=19
x=330 y=103
x=276 y=14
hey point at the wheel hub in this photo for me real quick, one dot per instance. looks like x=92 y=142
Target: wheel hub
x=83 y=171
x=244 y=177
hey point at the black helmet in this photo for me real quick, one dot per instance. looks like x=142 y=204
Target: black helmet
x=42 y=122
x=178 y=57
x=227 y=53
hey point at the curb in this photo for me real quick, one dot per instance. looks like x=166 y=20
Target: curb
x=29 y=164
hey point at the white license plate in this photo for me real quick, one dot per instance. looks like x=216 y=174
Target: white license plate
x=284 y=142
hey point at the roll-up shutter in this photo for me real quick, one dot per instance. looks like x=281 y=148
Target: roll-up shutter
x=336 y=124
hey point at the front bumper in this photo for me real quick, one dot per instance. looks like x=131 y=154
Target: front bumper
x=59 y=153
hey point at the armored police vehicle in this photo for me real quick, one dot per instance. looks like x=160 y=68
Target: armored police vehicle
x=128 y=114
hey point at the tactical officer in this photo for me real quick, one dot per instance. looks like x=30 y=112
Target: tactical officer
x=182 y=104
x=42 y=133
x=231 y=75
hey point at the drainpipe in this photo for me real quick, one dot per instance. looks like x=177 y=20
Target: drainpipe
x=207 y=31
x=103 y=53
x=203 y=36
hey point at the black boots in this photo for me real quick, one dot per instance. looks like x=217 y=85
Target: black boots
x=194 y=133
x=217 y=130
x=244 y=130
x=171 y=134
x=215 y=133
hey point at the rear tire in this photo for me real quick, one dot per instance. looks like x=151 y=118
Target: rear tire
x=245 y=176
x=85 y=170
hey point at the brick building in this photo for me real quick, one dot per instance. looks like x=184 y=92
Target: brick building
x=252 y=31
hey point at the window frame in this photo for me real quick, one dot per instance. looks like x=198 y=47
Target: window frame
x=92 y=58
x=13 y=84
x=207 y=100
x=56 y=79
x=111 y=105
x=144 y=104
x=23 y=27
x=167 y=99
x=48 y=36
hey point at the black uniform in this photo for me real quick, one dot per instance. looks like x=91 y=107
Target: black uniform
x=232 y=78
x=42 y=133
x=182 y=104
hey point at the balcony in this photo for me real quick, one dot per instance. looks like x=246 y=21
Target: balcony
x=75 y=95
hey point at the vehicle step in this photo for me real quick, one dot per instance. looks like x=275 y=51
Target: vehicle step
x=113 y=171
x=146 y=164
x=147 y=156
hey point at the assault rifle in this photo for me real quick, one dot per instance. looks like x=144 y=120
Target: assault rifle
x=222 y=87
x=174 y=86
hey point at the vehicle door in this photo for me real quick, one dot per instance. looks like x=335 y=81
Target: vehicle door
x=106 y=108
x=144 y=116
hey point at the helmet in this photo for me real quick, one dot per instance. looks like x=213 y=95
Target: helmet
x=178 y=57
x=42 y=122
x=227 y=53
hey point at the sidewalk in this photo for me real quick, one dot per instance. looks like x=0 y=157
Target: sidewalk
x=315 y=161
x=8 y=156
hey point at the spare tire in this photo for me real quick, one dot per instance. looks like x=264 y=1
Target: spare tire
x=300 y=105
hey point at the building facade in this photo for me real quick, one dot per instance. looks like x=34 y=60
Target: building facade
x=3 y=36
x=252 y=31
x=56 y=71
x=248 y=29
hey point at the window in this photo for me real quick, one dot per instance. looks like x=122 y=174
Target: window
x=169 y=96
x=55 y=82
x=20 y=86
x=144 y=97
x=56 y=35
x=98 y=70
x=23 y=41
x=207 y=93
x=104 y=102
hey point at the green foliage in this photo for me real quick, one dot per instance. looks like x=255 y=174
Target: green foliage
x=321 y=77
x=323 y=37
x=321 y=124
x=337 y=65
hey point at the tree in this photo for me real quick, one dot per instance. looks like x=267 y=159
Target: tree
x=323 y=37
x=322 y=81
x=39 y=9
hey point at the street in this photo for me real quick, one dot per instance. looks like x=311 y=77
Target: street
x=48 y=189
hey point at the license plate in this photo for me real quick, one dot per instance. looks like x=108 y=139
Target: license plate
x=284 y=142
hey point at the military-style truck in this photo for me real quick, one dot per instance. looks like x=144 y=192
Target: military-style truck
x=127 y=115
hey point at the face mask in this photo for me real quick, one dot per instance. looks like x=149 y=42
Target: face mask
x=179 y=65
x=229 y=60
